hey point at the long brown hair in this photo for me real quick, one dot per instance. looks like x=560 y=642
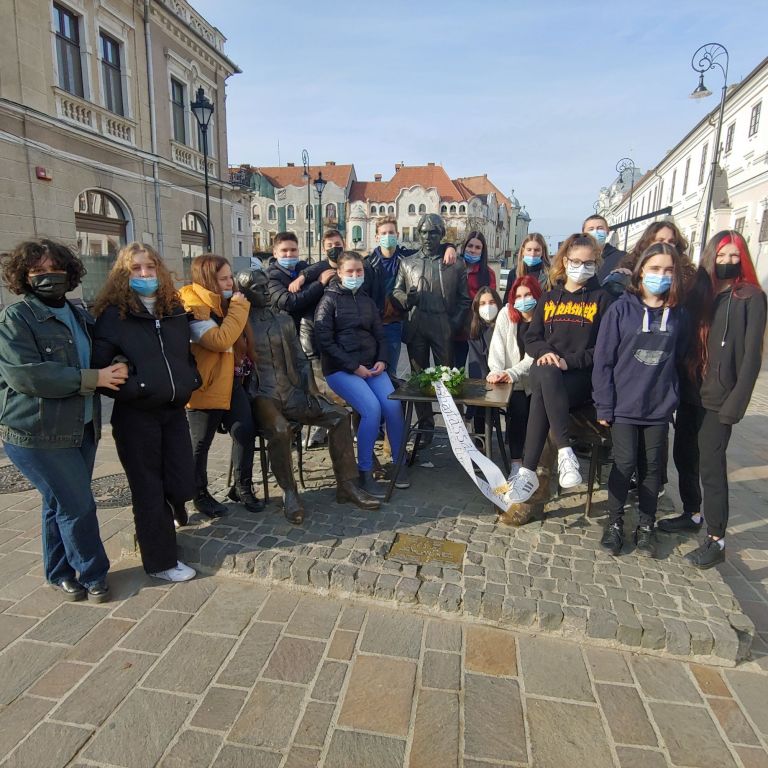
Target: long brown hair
x=117 y=291
x=648 y=237
x=576 y=240
x=476 y=326
x=482 y=276
x=522 y=268
x=675 y=292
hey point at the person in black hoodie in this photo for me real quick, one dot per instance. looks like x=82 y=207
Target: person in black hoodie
x=561 y=339
x=725 y=361
x=635 y=387
x=352 y=349
x=611 y=257
x=141 y=322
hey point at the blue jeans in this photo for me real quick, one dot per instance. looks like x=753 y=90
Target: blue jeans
x=72 y=546
x=369 y=398
x=393 y=333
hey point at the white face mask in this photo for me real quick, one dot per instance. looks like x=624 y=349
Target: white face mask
x=488 y=312
x=581 y=273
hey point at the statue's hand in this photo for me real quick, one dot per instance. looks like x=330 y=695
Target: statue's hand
x=412 y=298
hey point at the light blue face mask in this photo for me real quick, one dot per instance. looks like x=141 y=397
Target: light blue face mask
x=144 y=286
x=657 y=284
x=531 y=261
x=226 y=294
x=353 y=283
x=287 y=263
x=388 y=241
x=526 y=304
x=599 y=234
x=471 y=258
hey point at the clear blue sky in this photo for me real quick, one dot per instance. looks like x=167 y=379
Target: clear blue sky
x=544 y=97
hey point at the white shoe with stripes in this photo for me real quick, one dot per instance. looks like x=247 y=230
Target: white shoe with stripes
x=523 y=486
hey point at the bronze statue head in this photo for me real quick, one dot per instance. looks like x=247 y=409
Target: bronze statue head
x=255 y=286
x=431 y=230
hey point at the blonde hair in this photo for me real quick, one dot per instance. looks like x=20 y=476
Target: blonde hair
x=577 y=240
x=382 y=220
x=521 y=266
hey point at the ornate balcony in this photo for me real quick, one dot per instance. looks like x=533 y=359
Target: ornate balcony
x=191 y=158
x=84 y=113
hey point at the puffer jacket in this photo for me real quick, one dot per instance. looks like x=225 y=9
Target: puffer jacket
x=213 y=335
x=161 y=368
x=348 y=330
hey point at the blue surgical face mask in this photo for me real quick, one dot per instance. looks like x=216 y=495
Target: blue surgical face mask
x=388 y=241
x=287 y=263
x=144 y=286
x=657 y=284
x=472 y=258
x=599 y=234
x=531 y=261
x=526 y=304
x=353 y=283
x=227 y=294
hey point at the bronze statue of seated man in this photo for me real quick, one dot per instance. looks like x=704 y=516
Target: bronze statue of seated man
x=282 y=390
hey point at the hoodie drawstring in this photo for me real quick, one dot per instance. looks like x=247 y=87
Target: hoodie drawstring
x=727 y=318
x=647 y=320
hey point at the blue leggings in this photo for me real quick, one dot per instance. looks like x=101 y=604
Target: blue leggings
x=369 y=398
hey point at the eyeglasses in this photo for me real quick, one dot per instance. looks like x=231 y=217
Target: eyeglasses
x=580 y=263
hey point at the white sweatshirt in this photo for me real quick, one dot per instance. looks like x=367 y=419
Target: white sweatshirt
x=504 y=354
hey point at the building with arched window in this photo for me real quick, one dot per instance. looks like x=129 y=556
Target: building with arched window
x=79 y=135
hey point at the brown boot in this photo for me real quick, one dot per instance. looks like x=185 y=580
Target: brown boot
x=293 y=509
x=349 y=491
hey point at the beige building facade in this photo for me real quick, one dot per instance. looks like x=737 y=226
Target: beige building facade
x=98 y=144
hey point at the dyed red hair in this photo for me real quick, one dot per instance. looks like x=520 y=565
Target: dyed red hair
x=748 y=274
x=532 y=284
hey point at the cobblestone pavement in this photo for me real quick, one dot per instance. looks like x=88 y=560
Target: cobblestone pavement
x=225 y=673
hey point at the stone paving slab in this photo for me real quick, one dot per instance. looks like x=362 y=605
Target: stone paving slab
x=454 y=693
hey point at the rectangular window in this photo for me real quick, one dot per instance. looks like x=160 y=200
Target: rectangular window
x=754 y=119
x=406 y=234
x=738 y=225
x=110 y=70
x=672 y=186
x=703 y=166
x=239 y=224
x=178 y=111
x=660 y=197
x=309 y=239
x=729 y=137
x=685 y=175
x=240 y=248
x=68 y=51
x=763 y=236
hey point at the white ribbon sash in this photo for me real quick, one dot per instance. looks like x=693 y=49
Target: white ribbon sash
x=493 y=484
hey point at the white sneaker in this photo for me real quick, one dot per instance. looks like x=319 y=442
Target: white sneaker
x=568 y=470
x=523 y=486
x=180 y=573
x=514 y=469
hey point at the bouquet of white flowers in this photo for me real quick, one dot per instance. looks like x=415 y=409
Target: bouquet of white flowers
x=453 y=378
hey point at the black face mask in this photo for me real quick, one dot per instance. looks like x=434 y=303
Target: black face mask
x=332 y=254
x=727 y=271
x=49 y=288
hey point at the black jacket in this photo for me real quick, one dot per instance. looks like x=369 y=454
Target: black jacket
x=161 y=368
x=567 y=323
x=612 y=259
x=477 y=353
x=348 y=330
x=299 y=304
x=734 y=351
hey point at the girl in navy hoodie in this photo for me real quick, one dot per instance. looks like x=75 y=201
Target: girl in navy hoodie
x=635 y=387
x=561 y=339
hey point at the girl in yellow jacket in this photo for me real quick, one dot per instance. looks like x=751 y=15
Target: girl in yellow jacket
x=224 y=353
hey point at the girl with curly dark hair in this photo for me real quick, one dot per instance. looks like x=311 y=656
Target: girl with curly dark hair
x=51 y=418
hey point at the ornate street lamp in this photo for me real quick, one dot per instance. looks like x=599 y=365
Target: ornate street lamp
x=305 y=175
x=202 y=109
x=320 y=183
x=627 y=164
x=705 y=58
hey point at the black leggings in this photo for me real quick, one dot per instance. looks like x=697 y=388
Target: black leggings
x=553 y=394
x=640 y=449
x=518 y=408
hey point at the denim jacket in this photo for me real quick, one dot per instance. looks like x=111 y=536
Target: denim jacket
x=42 y=386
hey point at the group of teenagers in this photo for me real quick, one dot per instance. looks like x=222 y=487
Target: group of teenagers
x=646 y=336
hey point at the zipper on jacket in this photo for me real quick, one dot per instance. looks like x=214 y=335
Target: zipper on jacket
x=167 y=364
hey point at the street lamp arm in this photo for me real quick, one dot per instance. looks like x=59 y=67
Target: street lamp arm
x=707 y=56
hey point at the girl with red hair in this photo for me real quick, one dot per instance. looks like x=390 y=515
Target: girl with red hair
x=509 y=363
x=729 y=312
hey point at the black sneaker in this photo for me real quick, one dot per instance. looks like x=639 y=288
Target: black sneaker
x=243 y=494
x=208 y=506
x=709 y=554
x=371 y=487
x=613 y=538
x=677 y=524
x=645 y=541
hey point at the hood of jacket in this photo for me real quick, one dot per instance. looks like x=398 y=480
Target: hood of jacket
x=195 y=294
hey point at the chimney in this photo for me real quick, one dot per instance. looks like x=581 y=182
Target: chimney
x=330 y=162
x=377 y=177
x=290 y=165
x=430 y=164
x=398 y=166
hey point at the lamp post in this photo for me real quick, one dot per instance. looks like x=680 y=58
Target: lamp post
x=703 y=60
x=305 y=161
x=627 y=164
x=320 y=183
x=202 y=109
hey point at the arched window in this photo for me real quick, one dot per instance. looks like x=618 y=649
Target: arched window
x=357 y=234
x=422 y=208
x=453 y=210
x=308 y=212
x=443 y=209
x=101 y=229
x=382 y=210
x=391 y=210
x=412 y=208
x=290 y=213
x=462 y=209
x=194 y=239
x=272 y=213
x=373 y=210
x=256 y=211
x=330 y=211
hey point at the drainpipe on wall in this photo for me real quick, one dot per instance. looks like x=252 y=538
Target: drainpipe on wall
x=153 y=126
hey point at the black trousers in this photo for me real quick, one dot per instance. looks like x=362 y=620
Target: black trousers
x=553 y=394
x=434 y=335
x=518 y=407
x=641 y=449
x=238 y=421
x=156 y=452
x=700 y=456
